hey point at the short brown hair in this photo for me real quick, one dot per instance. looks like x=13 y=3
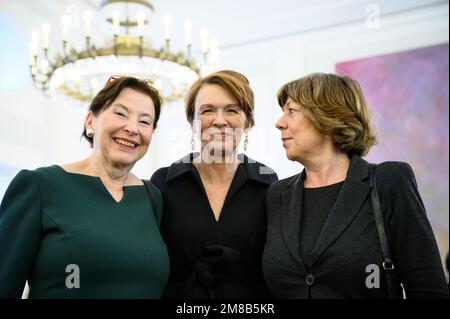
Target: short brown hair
x=336 y=106
x=234 y=82
x=111 y=91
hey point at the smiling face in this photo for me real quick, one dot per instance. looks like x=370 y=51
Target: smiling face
x=220 y=117
x=300 y=138
x=123 y=131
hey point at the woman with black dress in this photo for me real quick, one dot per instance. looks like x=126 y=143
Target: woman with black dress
x=214 y=220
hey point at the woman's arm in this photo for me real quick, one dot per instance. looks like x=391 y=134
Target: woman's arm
x=415 y=251
x=20 y=233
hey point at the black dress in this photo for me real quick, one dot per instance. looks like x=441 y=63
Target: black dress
x=209 y=258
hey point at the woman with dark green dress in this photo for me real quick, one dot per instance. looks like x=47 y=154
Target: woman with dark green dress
x=90 y=229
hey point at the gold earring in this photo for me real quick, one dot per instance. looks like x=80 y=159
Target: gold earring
x=245 y=142
x=193 y=141
x=90 y=132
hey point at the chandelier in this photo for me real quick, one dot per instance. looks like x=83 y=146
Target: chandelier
x=77 y=72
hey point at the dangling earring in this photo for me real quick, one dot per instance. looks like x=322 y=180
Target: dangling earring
x=90 y=132
x=193 y=140
x=245 y=142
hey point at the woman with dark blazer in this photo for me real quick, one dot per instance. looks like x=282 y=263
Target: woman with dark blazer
x=214 y=219
x=322 y=238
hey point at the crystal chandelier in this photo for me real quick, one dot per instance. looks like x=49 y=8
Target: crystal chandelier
x=77 y=73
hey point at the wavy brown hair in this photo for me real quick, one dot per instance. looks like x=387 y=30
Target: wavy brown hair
x=336 y=106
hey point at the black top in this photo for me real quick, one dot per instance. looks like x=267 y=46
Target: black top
x=209 y=258
x=317 y=203
x=66 y=235
x=346 y=261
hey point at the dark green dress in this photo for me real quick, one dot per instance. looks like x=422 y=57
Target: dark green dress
x=50 y=219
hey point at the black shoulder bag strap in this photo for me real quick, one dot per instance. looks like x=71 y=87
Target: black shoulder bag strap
x=388 y=264
x=151 y=190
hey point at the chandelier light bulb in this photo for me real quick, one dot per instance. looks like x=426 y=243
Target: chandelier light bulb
x=116 y=21
x=87 y=18
x=140 y=16
x=167 y=26
x=34 y=44
x=45 y=35
x=65 y=22
x=188 y=32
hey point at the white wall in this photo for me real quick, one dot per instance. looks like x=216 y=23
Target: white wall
x=36 y=131
x=270 y=64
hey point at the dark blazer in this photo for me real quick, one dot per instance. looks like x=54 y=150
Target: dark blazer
x=349 y=240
